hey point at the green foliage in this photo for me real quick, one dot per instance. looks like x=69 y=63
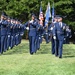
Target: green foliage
x=18 y=61
x=66 y=8
x=22 y=9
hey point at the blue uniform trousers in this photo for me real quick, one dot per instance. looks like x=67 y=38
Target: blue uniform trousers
x=46 y=37
x=67 y=40
x=5 y=43
x=8 y=41
x=53 y=46
x=37 y=43
x=16 y=39
x=32 y=44
x=19 y=38
x=40 y=39
x=11 y=43
x=2 y=43
x=59 y=49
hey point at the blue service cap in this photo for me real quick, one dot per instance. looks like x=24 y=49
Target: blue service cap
x=20 y=20
x=12 y=18
x=4 y=14
x=8 y=17
x=33 y=15
x=57 y=16
x=16 y=19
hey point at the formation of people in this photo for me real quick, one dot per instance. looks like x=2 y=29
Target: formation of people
x=54 y=32
x=11 y=32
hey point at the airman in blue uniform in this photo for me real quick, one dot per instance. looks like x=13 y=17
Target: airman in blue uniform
x=38 y=35
x=50 y=32
x=68 y=34
x=46 y=34
x=3 y=33
x=8 y=32
x=6 y=26
x=59 y=31
x=74 y=37
x=21 y=31
x=12 y=33
x=19 y=36
x=31 y=25
x=16 y=32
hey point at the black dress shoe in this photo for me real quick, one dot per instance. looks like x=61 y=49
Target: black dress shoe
x=38 y=48
x=56 y=55
x=2 y=52
x=35 y=51
x=31 y=53
x=53 y=53
x=60 y=57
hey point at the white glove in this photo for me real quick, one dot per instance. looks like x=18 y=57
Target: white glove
x=31 y=21
x=64 y=38
x=27 y=28
x=49 y=34
x=64 y=28
x=42 y=36
x=8 y=35
x=46 y=33
x=39 y=38
x=54 y=37
x=51 y=28
x=70 y=36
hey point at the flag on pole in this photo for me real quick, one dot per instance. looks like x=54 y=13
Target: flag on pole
x=48 y=14
x=53 y=12
x=41 y=16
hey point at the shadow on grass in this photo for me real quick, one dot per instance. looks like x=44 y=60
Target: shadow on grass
x=70 y=53
x=24 y=48
x=44 y=49
x=21 y=48
x=69 y=56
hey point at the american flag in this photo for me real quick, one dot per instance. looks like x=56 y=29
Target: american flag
x=41 y=16
x=48 y=14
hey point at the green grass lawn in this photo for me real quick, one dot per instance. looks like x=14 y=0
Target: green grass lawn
x=18 y=61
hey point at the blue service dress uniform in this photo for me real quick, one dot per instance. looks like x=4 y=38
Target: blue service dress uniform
x=32 y=35
x=8 y=35
x=12 y=35
x=21 y=32
x=40 y=33
x=74 y=37
x=3 y=35
x=53 y=41
x=38 y=36
x=46 y=35
x=68 y=35
x=16 y=34
x=59 y=31
x=0 y=35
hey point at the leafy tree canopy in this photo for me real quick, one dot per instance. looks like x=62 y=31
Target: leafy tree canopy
x=22 y=9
